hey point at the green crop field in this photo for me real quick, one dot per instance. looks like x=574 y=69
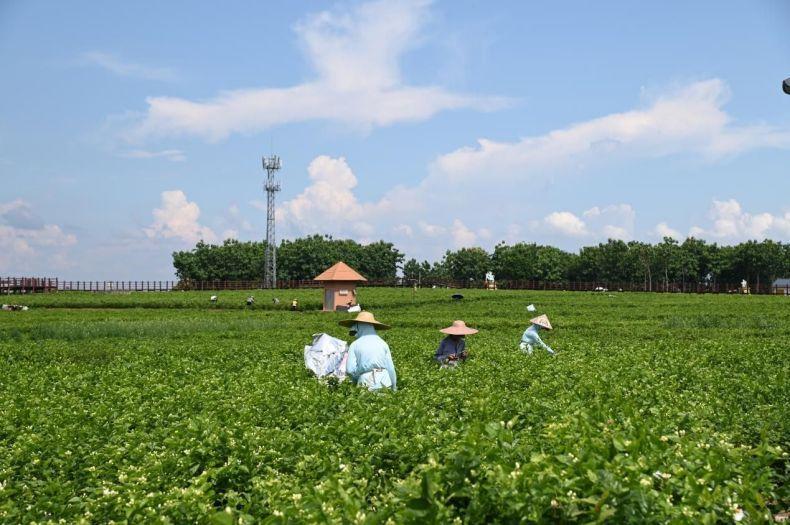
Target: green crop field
x=160 y=407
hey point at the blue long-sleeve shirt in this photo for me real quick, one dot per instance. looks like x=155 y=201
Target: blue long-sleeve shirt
x=448 y=347
x=531 y=337
x=368 y=352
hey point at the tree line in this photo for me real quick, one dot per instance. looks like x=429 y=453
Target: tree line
x=297 y=259
x=694 y=261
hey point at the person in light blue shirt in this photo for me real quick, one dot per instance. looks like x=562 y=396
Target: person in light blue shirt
x=531 y=336
x=369 y=361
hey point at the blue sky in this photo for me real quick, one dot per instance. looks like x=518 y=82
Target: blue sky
x=129 y=130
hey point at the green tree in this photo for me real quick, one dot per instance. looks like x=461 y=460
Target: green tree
x=467 y=264
x=667 y=257
x=232 y=260
x=379 y=260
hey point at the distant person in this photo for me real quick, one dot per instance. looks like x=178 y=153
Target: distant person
x=452 y=349
x=531 y=336
x=369 y=360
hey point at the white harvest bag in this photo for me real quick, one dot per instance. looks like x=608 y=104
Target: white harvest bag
x=326 y=356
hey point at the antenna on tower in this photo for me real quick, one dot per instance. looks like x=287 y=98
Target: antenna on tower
x=271 y=186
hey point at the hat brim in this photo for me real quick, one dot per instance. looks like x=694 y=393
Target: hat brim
x=458 y=331
x=351 y=322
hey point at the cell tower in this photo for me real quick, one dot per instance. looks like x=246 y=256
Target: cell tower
x=271 y=165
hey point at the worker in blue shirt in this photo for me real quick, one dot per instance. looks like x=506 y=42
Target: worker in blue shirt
x=531 y=336
x=369 y=360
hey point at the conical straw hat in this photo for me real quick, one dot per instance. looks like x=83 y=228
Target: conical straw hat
x=365 y=317
x=458 y=328
x=541 y=320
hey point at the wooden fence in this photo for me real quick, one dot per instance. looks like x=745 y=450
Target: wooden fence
x=15 y=285
x=9 y=285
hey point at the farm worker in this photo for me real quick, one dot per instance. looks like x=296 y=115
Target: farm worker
x=531 y=336
x=452 y=349
x=369 y=360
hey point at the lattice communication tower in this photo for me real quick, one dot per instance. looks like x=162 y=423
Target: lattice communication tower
x=271 y=186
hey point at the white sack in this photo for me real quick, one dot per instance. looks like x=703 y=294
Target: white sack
x=326 y=356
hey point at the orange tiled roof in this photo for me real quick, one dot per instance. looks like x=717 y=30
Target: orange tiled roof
x=340 y=272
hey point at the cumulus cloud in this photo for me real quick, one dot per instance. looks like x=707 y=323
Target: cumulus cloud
x=729 y=222
x=615 y=221
x=177 y=218
x=27 y=243
x=662 y=230
x=689 y=119
x=463 y=237
x=565 y=223
x=355 y=55
x=328 y=204
x=121 y=68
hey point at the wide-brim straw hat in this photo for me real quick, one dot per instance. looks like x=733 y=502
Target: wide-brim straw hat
x=458 y=328
x=541 y=321
x=367 y=318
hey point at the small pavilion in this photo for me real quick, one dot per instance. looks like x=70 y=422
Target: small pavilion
x=340 y=286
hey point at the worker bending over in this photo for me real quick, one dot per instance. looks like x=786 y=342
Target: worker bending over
x=531 y=336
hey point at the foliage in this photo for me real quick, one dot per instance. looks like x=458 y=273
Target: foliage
x=657 y=267
x=299 y=259
x=467 y=264
x=232 y=260
x=657 y=409
x=524 y=261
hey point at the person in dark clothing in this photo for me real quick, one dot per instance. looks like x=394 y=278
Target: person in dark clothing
x=452 y=349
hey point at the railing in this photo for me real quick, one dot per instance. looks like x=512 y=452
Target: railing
x=9 y=285
x=15 y=285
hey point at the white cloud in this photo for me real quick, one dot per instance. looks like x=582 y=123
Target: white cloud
x=611 y=231
x=431 y=230
x=178 y=219
x=615 y=221
x=404 y=230
x=690 y=119
x=230 y=234
x=662 y=230
x=463 y=237
x=731 y=223
x=173 y=155
x=27 y=243
x=121 y=68
x=565 y=223
x=328 y=204
x=356 y=58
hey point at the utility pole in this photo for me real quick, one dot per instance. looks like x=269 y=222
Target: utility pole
x=271 y=186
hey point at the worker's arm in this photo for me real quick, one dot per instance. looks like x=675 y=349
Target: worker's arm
x=351 y=363
x=543 y=345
